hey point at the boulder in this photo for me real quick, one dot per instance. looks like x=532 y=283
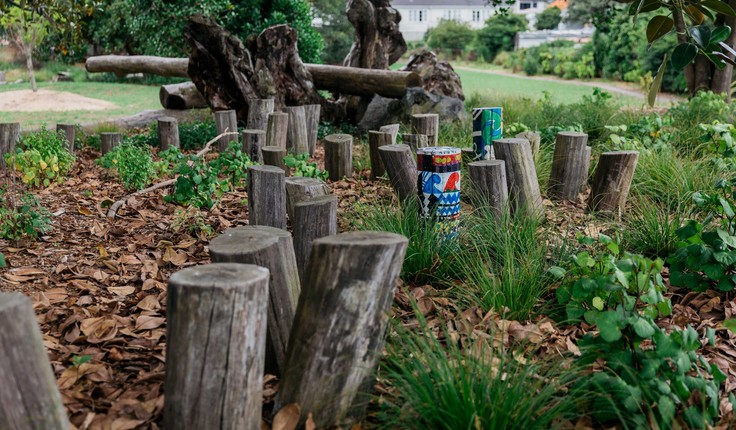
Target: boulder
x=382 y=110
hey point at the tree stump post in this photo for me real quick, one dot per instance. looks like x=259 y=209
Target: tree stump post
x=586 y=168
x=401 y=167
x=427 y=124
x=612 y=181
x=377 y=139
x=415 y=141
x=521 y=175
x=9 y=136
x=568 y=163
x=108 y=141
x=534 y=140
x=253 y=143
x=313 y=218
x=273 y=249
x=468 y=154
x=258 y=111
x=226 y=120
x=297 y=132
x=339 y=156
x=69 y=132
x=274 y=156
x=181 y=96
x=29 y=397
x=338 y=332
x=215 y=347
x=392 y=129
x=312 y=118
x=277 y=130
x=299 y=188
x=266 y=196
x=489 y=184
x=168 y=133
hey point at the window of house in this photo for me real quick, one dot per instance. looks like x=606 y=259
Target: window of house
x=525 y=5
x=535 y=5
x=421 y=16
x=476 y=15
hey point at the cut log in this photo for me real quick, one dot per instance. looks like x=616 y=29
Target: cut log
x=339 y=156
x=180 y=96
x=392 y=129
x=277 y=131
x=377 y=139
x=401 y=167
x=612 y=181
x=273 y=249
x=299 y=188
x=415 y=141
x=437 y=77
x=109 y=140
x=534 y=140
x=258 y=111
x=297 y=140
x=69 y=132
x=253 y=143
x=9 y=135
x=468 y=154
x=568 y=163
x=274 y=156
x=337 y=336
x=215 y=347
x=521 y=175
x=122 y=65
x=313 y=218
x=168 y=133
x=427 y=124
x=312 y=119
x=489 y=185
x=266 y=196
x=29 y=398
x=586 y=168
x=226 y=120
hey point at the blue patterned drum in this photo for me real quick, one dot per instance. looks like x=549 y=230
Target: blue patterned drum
x=487 y=127
x=438 y=186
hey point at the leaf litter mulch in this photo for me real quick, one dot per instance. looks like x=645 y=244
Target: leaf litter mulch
x=98 y=286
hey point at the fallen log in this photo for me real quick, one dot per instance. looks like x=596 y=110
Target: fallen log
x=181 y=96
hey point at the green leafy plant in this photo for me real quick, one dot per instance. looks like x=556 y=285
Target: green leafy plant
x=233 y=164
x=651 y=226
x=133 y=164
x=22 y=216
x=302 y=167
x=42 y=158
x=192 y=221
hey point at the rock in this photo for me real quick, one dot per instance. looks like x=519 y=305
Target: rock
x=438 y=77
x=382 y=110
x=63 y=77
x=18 y=81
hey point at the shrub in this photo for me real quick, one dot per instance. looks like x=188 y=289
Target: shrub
x=498 y=34
x=193 y=135
x=450 y=35
x=22 y=216
x=651 y=226
x=549 y=18
x=42 y=158
x=133 y=164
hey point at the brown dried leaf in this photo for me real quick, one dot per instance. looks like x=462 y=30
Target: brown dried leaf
x=99 y=329
x=287 y=418
x=147 y=322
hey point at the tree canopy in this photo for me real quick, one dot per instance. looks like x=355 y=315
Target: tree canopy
x=549 y=18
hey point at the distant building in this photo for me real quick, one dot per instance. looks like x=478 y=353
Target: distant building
x=417 y=16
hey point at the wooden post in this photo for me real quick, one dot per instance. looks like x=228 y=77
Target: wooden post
x=402 y=169
x=427 y=124
x=312 y=117
x=415 y=141
x=534 y=140
x=392 y=129
x=226 y=120
x=278 y=129
x=273 y=249
x=313 y=218
x=215 y=347
x=611 y=181
x=521 y=175
x=258 y=111
x=168 y=133
x=467 y=155
x=253 y=143
x=108 y=141
x=568 y=162
x=266 y=196
x=274 y=156
x=339 y=156
x=69 y=131
x=586 y=168
x=488 y=179
x=297 y=131
x=337 y=336
x=377 y=139
x=9 y=135
x=299 y=188
x=29 y=397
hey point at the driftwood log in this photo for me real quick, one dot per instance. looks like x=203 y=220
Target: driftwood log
x=489 y=184
x=168 y=133
x=184 y=95
x=313 y=218
x=277 y=130
x=69 y=134
x=612 y=181
x=215 y=347
x=274 y=156
x=253 y=143
x=377 y=139
x=568 y=164
x=401 y=167
x=299 y=188
x=339 y=156
x=9 y=135
x=266 y=196
x=109 y=140
x=523 y=186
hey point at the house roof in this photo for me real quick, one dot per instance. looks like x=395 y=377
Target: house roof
x=562 y=4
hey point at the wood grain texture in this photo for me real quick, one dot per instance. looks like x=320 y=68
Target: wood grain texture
x=312 y=117
x=274 y=156
x=313 y=218
x=266 y=196
x=586 y=168
x=489 y=184
x=168 y=133
x=392 y=129
x=181 y=96
x=299 y=188
x=427 y=124
x=277 y=129
x=521 y=175
x=9 y=135
x=69 y=131
x=377 y=139
x=297 y=139
x=258 y=111
x=612 y=181
x=534 y=140
x=568 y=163
x=415 y=141
x=339 y=156
x=253 y=143
x=226 y=120
x=401 y=166
x=215 y=348
x=108 y=141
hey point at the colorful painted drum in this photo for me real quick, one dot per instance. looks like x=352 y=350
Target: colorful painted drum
x=438 y=186
x=487 y=127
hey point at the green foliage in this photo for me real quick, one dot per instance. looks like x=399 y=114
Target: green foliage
x=336 y=30
x=194 y=135
x=192 y=221
x=22 y=216
x=498 y=35
x=559 y=58
x=651 y=225
x=133 y=164
x=301 y=166
x=449 y=35
x=42 y=158
x=549 y=18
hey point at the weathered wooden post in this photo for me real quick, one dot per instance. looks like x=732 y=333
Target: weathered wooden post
x=69 y=131
x=297 y=140
x=266 y=196
x=9 y=136
x=438 y=190
x=274 y=156
x=168 y=133
x=312 y=119
x=277 y=130
x=215 y=347
x=392 y=129
x=427 y=124
x=488 y=178
x=339 y=156
x=534 y=138
x=313 y=218
x=300 y=188
x=401 y=167
x=415 y=141
x=377 y=139
x=253 y=143
x=109 y=140
x=487 y=127
x=29 y=397
x=226 y=120
x=273 y=249
x=521 y=175
x=612 y=181
x=337 y=336
x=568 y=162
x=258 y=112
x=586 y=168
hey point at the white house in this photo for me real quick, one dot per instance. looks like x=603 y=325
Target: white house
x=419 y=15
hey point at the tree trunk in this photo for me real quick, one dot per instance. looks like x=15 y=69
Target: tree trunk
x=313 y=218
x=266 y=196
x=180 y=96
x=297 y=139
x=521 y=175
x=168 y=133
x=377 y=139
x=568 y=162
x=9 y=135
x=392 y=129
x=489 y=184
x=108 y=141
x=69 y=131
x=274 y=156
x=534 y=140
x=299 y=188
x=339 y=156
x=415 y=141
x=722 y=78
x=427 y=124
x=258 y=112
x=611 y=181
x=402 y=169
x=312 y=119
x=253 y=143
x=28 y=51
x=226 y=121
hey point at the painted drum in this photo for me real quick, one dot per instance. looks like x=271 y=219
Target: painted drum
x=487 y=127
x=438 y=186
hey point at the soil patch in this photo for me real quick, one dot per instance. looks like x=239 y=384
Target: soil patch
x=48 y=100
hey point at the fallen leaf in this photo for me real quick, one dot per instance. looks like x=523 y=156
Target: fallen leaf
x=122 y=291
x=287 y=418
x=146 y=322
x=84 y=211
